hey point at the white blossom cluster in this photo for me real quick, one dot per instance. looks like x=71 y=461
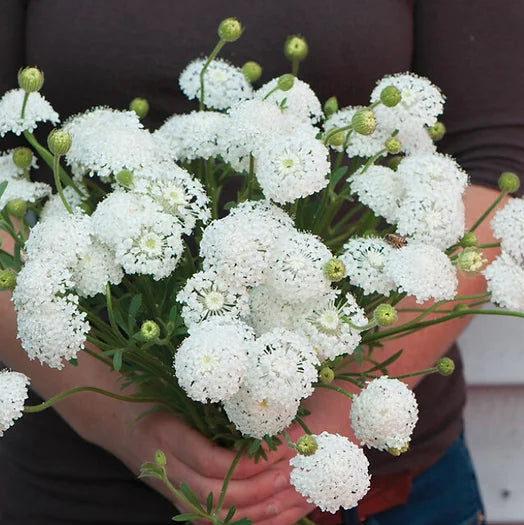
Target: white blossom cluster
x=13 y=393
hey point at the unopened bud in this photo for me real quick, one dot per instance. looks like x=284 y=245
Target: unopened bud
x=330 y=106
x=252 y=71
x=59 y=142
x=509 y=182
x=30 y=79
x=393 y=145
x=385 y=315
x=22 y=157
x=140 y=106
x=337 y=139
x=390 y=96
x=468 y=240
x=295 y=48
x=285 y=82
x=150 y=330
x=160 y=458
x=229 y=29
x=393 y=162
x=364 y=122
x=17 y=208
x=445 y=366
x=306 y=445
x=461 y=307
x=334 y=269
x=7 y=280
x=125 y=177
x=437 y=131
x=470 y=260
x=326 y=375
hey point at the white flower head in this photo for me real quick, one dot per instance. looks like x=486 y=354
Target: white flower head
x=505 y=279
x=281 y=367
x=380 y=189
x=206 y=295
x=384 y=414
x=508 y=225
x=212 y=361
x=192 y=136
x=224 y=84
x=423 y=271
x=258 y=418
x=239 y=246
x=13 y=393
x=299 y=101
x=296 y=267
x=37 y=110
x=335 y=476
x=55 y=207
x=364 y=259
x=291 y=168
x=106 y=141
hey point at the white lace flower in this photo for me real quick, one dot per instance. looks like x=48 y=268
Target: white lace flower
x=335 y=476
x=176 y=191
x=423 y=271
x=192 y=136
x=256 y=418
x=37 y=110
x=291 y=168
x=508 y=225
x=505 y=279
x=421 y=101
x=54 y=205
x=327 y=331
x=436 y=219
x=239 y=245
x=299 y=101
x=206 y=295
x=106 y=141
x=211 y=362
x=384 y=414
x=224 y=84
x=281 y=367
x=296 y=267
x=380 y=189
x=13 y=393
x=415 y=140
x=364 y=259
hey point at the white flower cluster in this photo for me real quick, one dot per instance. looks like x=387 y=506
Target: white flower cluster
x=13 y=393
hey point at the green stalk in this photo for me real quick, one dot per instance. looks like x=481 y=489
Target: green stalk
x=24 y=104
x=213 y=54
x=294 y=67
x=58 y=183
x=420 y=373
x=111 y=315
x=487 y=212
x=335 y=389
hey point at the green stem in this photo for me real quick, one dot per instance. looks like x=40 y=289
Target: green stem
x=487 y=212
x=24 y=104
x=305 y=428
x=372 y=160
x=180 y=496
x=335 y=389
x=58 y=183
x=270 y=92
x=52 y=400
x=332 y=132
x=294 y=67
x=210 y=58
x=489 y=245
x=111 y=315
x=420 y=373
x=289 y=441
x=225 y=484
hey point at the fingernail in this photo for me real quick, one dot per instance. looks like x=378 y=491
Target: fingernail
x=271 y=510
x=281 y=482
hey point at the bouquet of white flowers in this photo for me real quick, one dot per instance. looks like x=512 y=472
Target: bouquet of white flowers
x=243 y=255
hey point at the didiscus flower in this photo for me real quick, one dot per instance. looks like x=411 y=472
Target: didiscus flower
x=13 y=393
x=505 y=277
x=508 y=225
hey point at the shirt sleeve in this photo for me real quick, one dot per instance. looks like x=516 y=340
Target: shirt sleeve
x=473 y=52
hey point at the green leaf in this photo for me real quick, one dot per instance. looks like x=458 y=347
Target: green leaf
x=73 y=361
x=359 y=354
x=186 y=517
x=120 y=320
x=117 y=360
x=230 y=205
x=253 y=447
x=3 y=186
x=337 y=175
x=209 y=503
x=230 y=513
x=173 y=313
x=190 y=495
x=382 y=366
x=134 y=306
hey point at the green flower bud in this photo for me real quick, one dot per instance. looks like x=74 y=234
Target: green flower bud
x=509 y=182
x=326 y=375
x=295 y=48
x=30 y=79
x=330 y=106
x=17 y=208
x=285 y=82
x=445 y=366
x=437 y=131
x=469 y=239
x=125 y=177
x=140 y=106
x=334 y=269
x=390 y=96
x=470 y=260
x=307 y=445
x=337 y=139
x=252 y=71
x=7 y=280
x=229 y=29
x=461 y=307
x=385 y=315
x=364 y=122
x=398 y=451
x=393 y=145
x=149 y=330
x=59 y=142
x=160 y=458
x=393 y=162
x=22 y=157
